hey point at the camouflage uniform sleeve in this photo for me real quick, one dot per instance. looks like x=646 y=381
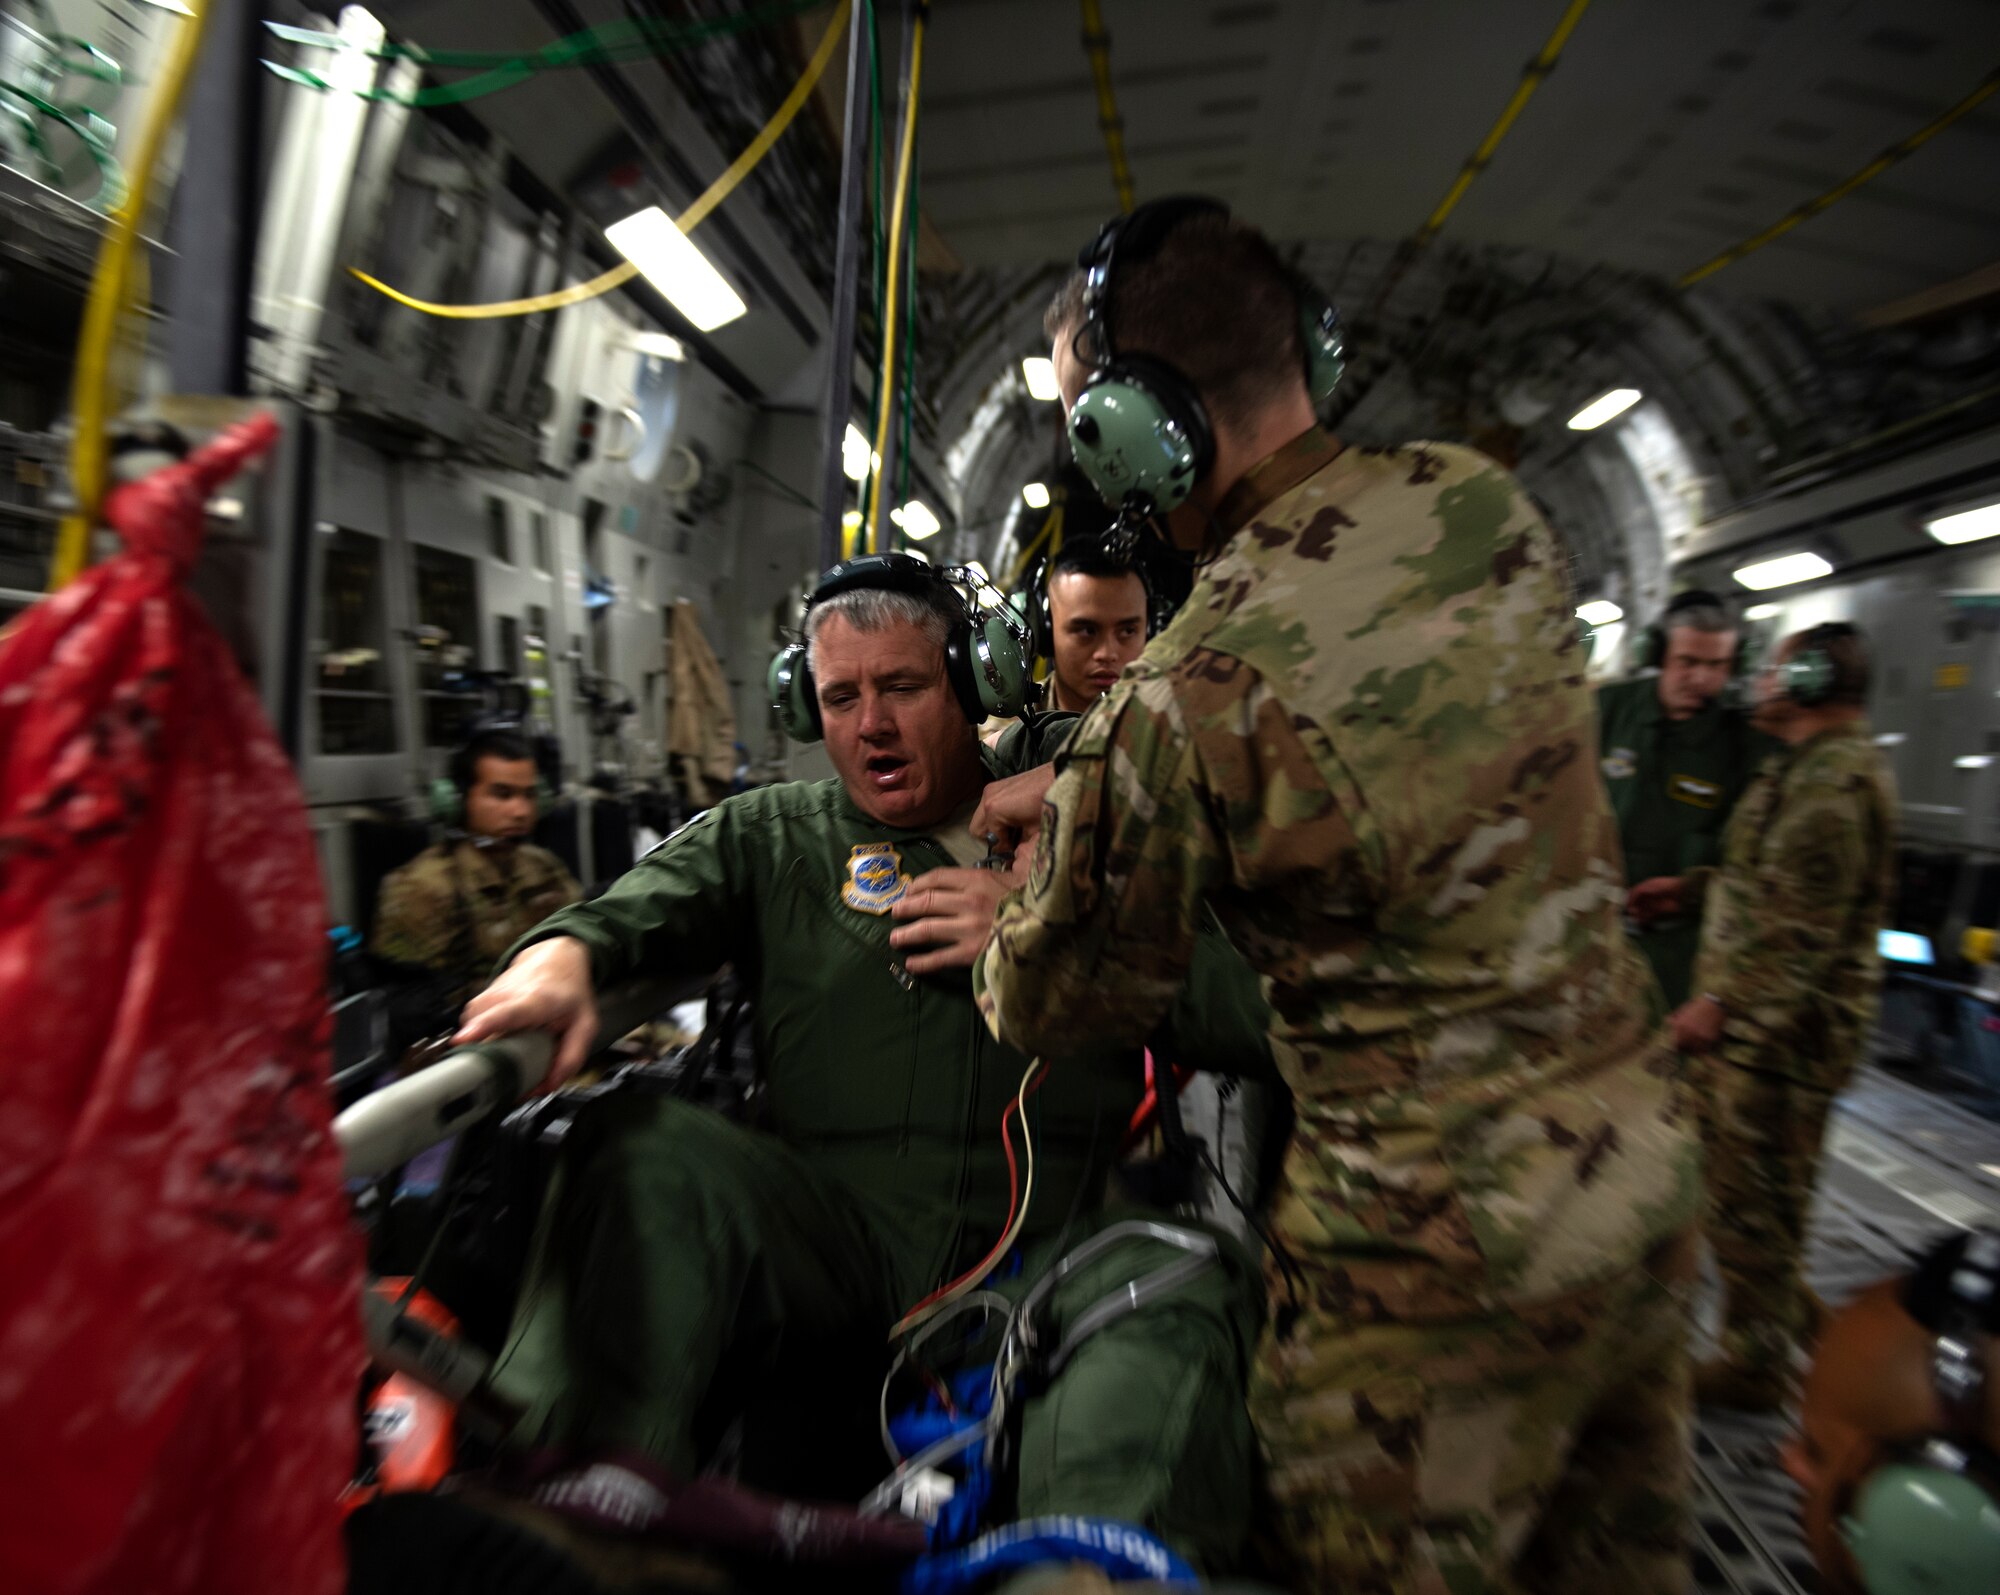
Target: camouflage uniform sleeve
x=1780 y=931
x=1094 y=948
x=418 y=920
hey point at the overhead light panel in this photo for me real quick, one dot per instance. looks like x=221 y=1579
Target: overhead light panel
x=1966 y=526
x=916 y=519
x=1608 y=407
x=1035 y=495
x=1599 y=612
x=1974 y=761
x=666 y=258
x=1040 y=371
x=855 y=455
x=1783 y=571
x=1763 y=611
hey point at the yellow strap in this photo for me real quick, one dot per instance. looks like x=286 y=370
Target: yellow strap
x=891 y=299
x=687 y=221
x=113 y=287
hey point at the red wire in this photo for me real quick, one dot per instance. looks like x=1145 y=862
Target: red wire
x=1013 y=1198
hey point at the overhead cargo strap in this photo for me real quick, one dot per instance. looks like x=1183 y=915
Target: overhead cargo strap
x=113 y=294
x=1988 y=86
x=1097 y=45
x=686 y=222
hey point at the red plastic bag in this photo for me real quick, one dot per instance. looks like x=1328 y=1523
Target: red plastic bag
x=179 y=1287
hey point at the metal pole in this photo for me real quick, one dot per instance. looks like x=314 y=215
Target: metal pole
x=885 y=473
x=846 y=285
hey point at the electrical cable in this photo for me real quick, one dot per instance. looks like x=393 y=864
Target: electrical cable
x=687 y=221
x=904 y=162
x=112 y=288
x=1987 y=87
x=909 y=315
x=638 y=39
x=1019 y=1196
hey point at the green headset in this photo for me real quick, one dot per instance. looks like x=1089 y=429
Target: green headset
x=449 y=792
x=1930 y=1520
x=1139 y=429
x=1812 y=676
x=984 y=653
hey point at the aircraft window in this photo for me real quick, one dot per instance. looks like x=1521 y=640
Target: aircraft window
x=499 y=535
x=356 y=714
x=447 y=599
x=539 y=524
x=510 y=644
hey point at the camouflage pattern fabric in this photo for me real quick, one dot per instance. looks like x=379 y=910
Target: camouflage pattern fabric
x=1789 y=948
x=1367 y=740
x=457 y=907
x=1552 y=1442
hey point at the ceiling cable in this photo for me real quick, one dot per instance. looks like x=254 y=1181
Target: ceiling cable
x=686 y=222
x=1988 y=85
x=1097 y=44
x=899 y=212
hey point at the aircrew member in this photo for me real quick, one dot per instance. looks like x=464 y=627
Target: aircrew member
x=1786 y=981
x=1366 y=739
x=1676 y=758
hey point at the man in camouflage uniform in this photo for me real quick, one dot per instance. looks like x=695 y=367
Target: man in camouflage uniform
x=1787 y=978
x=1367 y=740
x=461 y=903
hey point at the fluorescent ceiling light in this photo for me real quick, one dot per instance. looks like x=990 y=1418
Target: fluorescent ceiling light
x=1606 y=407
x=1599 y=612
x=1967 y=526
x=1763 y=611
x=1035 y=495
x=1892 y=739
x=1973 y=761
x=916 y=518
x=667 y=259
x=656 y=344
x=855 y=455
x=1041 y=374
x=1783 y=571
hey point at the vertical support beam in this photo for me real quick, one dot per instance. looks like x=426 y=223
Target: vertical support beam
x=215 y=209
x=846 y=286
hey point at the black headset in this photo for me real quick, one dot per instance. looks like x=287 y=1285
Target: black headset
x=983 y=653
x=1139 y=429
x=1813 y=676
x=1653 y=642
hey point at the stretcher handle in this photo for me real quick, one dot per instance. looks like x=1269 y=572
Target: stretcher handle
x=386 y=1129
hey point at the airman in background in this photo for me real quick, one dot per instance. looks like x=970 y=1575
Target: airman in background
x=460 y=904
x=1676 y=757
x=1787 y=981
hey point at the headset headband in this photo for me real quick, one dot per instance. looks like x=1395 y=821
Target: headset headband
x=1134 y=236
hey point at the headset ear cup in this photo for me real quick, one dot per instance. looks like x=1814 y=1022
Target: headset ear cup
x=960 y=671
x=792 y=695
x=1320 y=339
x=447 y=803
x=1139 y=432
x=1001 y=673
x=1653 y=649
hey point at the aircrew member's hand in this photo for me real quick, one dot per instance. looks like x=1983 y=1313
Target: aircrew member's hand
x=1662 y=897
x=1696 y=1025
x=1011 y=810
x=546 y=988
x=949 y=911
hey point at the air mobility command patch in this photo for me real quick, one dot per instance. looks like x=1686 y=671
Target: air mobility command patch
x=875 y=878
x=1619 y=764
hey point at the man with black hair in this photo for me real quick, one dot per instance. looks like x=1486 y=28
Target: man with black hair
x=1675 y=760
x=1366 y=743
x=1098 y=609
x=1787 y=980
x=461 y=903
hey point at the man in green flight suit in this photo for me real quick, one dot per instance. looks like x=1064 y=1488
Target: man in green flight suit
x=689 y=1263
x=1786 y=987
x=1366 y=740
x=1675 y=759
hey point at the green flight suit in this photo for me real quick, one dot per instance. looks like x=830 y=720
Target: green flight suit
x=688 y=1263
x=1672 y=784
